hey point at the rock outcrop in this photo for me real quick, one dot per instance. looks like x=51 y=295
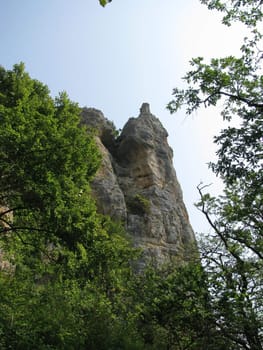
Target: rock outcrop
x=137 y=185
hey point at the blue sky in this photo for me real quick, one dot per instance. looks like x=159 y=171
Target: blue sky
x=117 y=57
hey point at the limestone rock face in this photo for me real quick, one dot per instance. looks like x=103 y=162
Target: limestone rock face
x=137 y=184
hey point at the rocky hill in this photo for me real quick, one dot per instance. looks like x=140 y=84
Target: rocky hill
x=137 y=184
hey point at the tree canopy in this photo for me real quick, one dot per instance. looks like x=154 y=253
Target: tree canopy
x=68 y=276
x=232 y=256
x=59 y=258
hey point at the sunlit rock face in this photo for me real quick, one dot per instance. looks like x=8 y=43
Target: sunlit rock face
x=137 y=184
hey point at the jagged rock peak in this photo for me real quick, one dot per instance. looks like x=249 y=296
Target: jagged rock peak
x=145 y=108
x=146 y=126
x=137 y=185
x=95 y=119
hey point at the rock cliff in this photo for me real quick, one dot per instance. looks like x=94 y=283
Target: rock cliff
x=137 y=185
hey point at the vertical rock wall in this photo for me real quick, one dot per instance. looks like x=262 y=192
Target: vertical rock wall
x=137 y=185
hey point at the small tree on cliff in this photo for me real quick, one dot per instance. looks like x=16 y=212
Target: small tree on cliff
x=234 y=255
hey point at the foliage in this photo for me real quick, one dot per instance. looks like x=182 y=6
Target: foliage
x=68 y=281
x=174 y=308
x=232 y=256
x=104 y=2
x=40 y=145
x=139 y=205
x=248 y=12
x=67 y=265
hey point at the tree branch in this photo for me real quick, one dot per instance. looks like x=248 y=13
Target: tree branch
x=217 y=231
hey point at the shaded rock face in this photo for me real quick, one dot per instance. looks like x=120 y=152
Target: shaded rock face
x=137 y=185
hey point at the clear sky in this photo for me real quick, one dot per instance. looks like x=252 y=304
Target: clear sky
x=117 y=57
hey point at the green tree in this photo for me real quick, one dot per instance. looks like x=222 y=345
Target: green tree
x=233 y=256
x=43 y=151
x=64 y=267
x=174 y=310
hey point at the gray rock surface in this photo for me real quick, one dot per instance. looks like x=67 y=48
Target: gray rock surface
x=137 y=185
